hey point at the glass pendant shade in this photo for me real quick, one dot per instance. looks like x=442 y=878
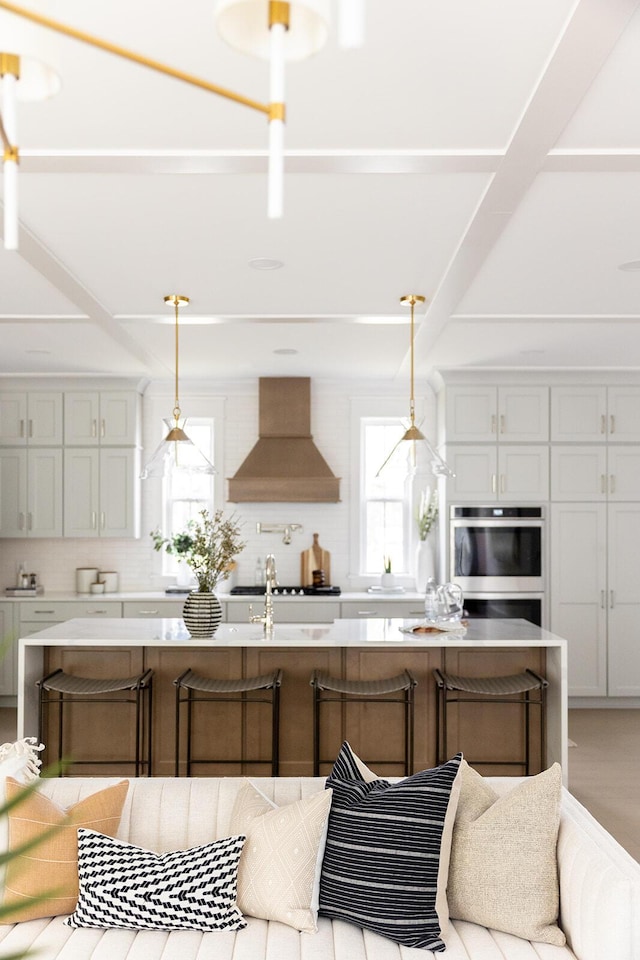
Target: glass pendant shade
x=176 y=452
x=407 y=444
x=244 y=25
x=37 y=48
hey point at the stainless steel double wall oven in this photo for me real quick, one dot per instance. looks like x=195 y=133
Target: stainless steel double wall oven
x=497 y=555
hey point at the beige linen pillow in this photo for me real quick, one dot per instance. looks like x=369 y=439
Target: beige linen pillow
x=279 y=873
x=503 y=871
x=43 y=882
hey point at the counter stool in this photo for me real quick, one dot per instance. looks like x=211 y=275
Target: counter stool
x=364 y=691
x=516 y=688
x=62 y=689
x=189 y=684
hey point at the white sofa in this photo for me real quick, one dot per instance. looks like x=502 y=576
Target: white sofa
x=599 y=889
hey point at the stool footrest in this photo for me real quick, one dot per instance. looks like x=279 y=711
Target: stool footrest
x=368 y=688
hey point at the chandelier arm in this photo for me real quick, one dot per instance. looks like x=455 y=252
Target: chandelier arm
x=132 y=56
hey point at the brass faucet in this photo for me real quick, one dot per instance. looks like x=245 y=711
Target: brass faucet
x=271 y=583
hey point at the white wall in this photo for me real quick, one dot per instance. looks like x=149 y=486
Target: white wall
x=139 y=565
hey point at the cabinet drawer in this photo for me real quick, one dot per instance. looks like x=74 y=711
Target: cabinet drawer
x=362 y=609
x=285 y=611
x=57 y=610
x=152 y=608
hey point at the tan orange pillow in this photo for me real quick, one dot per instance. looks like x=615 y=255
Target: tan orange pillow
x=49 y=870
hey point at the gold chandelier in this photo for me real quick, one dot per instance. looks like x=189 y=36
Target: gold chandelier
x=413 y=434
x=277 y=30
x=176 y=451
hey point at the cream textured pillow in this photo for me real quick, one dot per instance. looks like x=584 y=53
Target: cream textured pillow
x=279 y=872
x=44 y=881
x=503 y=871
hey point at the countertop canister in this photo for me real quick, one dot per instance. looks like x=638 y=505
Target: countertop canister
x=85 y=576
x=110 y=580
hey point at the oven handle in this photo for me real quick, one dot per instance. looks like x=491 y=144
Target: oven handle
x=493 y=522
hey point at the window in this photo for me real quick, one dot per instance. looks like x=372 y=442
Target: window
x=185 y=495
x=385 y=500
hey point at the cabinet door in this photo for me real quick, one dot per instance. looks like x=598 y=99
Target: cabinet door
x=13 y=493
x=13 y=418
x=524 y=472
x=523 y=414
x=8 y=651
x=44 y=492
x=624 y=413
x=81 y=492
x=579 y=414
x=119 y=417
x=44 y=419
x=624 y=472
x=577 y=586
x=475 y=469
x=119 y=492
x=624 y=600
x=81 y=418
x=471 y=414
x=579 y=473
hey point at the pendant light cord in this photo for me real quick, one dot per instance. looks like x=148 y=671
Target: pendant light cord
x=176 y=406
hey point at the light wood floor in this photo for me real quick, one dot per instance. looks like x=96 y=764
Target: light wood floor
x=604 y=772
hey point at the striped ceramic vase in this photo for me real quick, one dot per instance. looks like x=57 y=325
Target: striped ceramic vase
x=202 y=615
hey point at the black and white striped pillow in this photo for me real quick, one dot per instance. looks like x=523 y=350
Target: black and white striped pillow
x=126 y=886
x=384 y=847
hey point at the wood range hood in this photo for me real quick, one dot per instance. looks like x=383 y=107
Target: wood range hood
x=285 y=465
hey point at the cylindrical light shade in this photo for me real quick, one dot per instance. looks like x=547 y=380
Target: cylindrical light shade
x=38 y=51
x=10 y=167
x=244 y=25
x=351 y=23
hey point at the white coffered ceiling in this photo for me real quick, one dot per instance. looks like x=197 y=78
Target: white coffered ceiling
x=484 y=153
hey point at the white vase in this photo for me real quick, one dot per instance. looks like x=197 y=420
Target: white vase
x=425 y=565
x=202 y=615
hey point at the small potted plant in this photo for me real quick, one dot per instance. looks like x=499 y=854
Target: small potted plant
x=387 y=580
x=208 y=546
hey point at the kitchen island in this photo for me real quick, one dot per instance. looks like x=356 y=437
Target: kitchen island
x=356 y=649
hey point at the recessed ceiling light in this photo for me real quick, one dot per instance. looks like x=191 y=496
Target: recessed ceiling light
x=285 y=351
x=265 y=263
x=630 y=266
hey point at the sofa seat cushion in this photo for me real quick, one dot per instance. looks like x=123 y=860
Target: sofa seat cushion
x=263 y=940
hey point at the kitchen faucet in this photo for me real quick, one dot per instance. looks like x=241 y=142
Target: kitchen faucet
x=271 y=583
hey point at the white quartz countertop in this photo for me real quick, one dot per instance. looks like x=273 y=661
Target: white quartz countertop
x=341 y=633
x=155 y=596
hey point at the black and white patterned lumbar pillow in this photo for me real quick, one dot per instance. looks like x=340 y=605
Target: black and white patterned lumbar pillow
x=126 y=886
x=384 y=845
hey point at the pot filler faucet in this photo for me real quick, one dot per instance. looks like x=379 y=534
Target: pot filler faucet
x=271 y=583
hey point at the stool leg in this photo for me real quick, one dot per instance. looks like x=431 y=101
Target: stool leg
x=316 y=731
x=60 y=702
x=177 y=747
x=189 y=724
x=138 y=703
x=527 y=757
x=149 y=729
x=543 y=727
x=275 y=731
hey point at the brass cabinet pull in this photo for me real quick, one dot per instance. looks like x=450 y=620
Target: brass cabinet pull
x=103 y=520
x=493 y=483
x=612 y=424
x=94 y=519
x=103 y=428
x=22 y=428
x=612 y=599
x=367 y=613
x=493 y=423
x=30 y=427
x=503 y=483
x=146 y=613
x=94 y=428
x=502 y=423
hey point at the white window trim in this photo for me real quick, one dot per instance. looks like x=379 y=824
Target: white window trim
x=373 y=407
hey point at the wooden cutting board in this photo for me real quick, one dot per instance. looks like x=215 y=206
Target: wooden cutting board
x=315 y=558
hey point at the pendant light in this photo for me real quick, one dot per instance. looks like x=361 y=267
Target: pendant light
x=177 y=451
x=413 y=434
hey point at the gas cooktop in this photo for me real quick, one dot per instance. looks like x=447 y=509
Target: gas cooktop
x=280 y=591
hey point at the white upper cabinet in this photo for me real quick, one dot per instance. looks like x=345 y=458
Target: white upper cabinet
x=30 y=492
x=588 y=472
x=595 y=414
x=107 y=418
x=485 y=472
x=480 y=414
x=101 y=493
x=30 y=418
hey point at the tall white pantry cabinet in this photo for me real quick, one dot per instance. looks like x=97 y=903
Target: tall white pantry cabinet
x=575 y=449
x=69 y=462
